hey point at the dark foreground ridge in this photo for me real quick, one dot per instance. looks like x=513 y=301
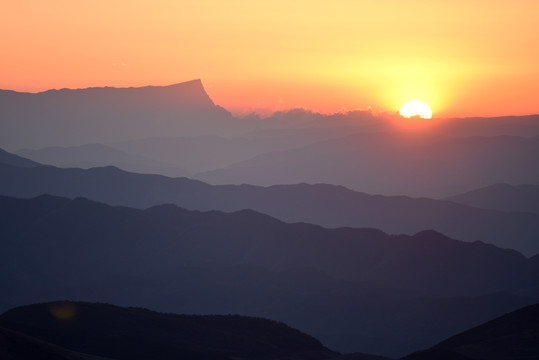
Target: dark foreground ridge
x=46 y=331
x=135 y=333
x=511 y=336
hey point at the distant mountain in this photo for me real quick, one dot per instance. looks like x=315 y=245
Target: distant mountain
x=69 y=117
x=367 y=122
x=511 y=336
x=375 y=289
x=15 y=160
x=326 y=205
x=393 y=164
x=503 y=197
x=527 y=125
x=95 y=155
x=17 y=346
x=180 y=156
x=214 y=238
x=134 y=333
x=203 y=153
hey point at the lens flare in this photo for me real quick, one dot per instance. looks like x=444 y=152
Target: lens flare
x=63 y=310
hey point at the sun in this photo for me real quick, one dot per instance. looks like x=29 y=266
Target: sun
x=416 y=108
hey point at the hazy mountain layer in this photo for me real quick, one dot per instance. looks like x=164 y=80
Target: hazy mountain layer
x=203 y=153
x=69 y=117
x=503 y=197
x=393 y=164
x=15 y=160
x=169 y=155
x=95 y=155
x=330 y=206
x=355 y=289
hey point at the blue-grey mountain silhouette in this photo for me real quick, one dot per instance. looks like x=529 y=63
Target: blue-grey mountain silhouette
x=172 y=259
x=511 y=336
x=503 y=197
x=135 y=333
x=46 y=331
x=70 y=117
x=326 y=205
x=95 y=155
x=15 y=160
x=393 y=164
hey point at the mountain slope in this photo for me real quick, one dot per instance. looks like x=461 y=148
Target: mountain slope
x=134 y=333
x=17 y=346
x=428 y=261
x=383 y=294
x=393 y=163
x=203 y=153
x=15 y=160
x=503 y=197
x=94 y=155
x=69 y=117
x=60 y=233
x=326 y=205
x=508 y=337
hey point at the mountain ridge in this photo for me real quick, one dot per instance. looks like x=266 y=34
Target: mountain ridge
x=326 y=205
x=375 y=288
x=136 y=333
x=502 y=197
x=70 y=117
x=49 y=329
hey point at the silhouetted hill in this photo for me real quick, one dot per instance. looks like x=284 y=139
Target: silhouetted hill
x=427 y=261
x=15 y=160
x=69 y=117
x=95 y=155
x=134 y=333
x=383 y=294
x=47 y=330
x=326 y=205
x=17 y=346
x=511 y=336
x=360 y=356
x=503 y=197
x=393 y=164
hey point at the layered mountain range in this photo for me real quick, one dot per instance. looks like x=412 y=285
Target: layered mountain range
x=441 y=251
x=326 y=205
x=172 y=259
x=178 y=130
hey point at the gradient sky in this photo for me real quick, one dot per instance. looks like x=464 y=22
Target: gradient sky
x=464 y=58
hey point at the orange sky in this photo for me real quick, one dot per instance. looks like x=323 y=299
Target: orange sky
x=464 y=58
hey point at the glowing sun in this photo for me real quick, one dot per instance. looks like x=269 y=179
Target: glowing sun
x=416 y=108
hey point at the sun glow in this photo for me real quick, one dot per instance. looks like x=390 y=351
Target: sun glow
x=416 y=108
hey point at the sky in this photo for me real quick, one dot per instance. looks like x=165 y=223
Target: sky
x=463 y=58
